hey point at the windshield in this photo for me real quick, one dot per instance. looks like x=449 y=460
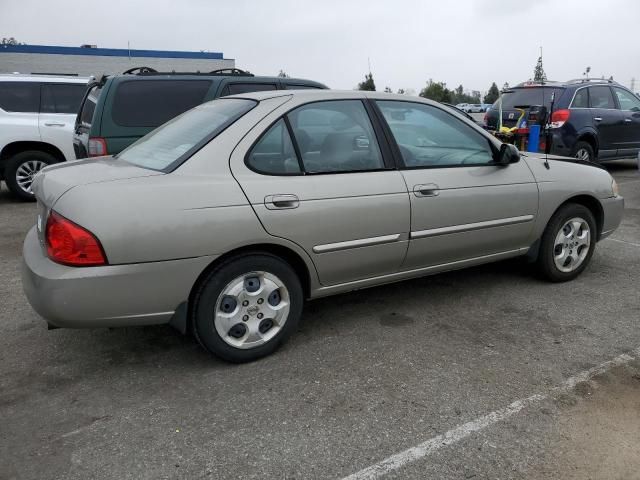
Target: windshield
x=169 y=145
x=528 y=96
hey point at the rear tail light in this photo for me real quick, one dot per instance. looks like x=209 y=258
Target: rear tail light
x=559 y=118
x=70 y=244
x=97 y=147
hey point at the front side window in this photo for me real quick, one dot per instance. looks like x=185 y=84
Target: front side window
x=335 y=136
x=20 y=97
x=600 y=97
x=274 y=153
x=430 y=137
x=150 y=103
x=581 y=100
x=166 y=147
x=61 y=98
x=627 y=100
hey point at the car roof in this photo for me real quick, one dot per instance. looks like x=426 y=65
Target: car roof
x=25 y=77
x=205 y=76
x=311 y=95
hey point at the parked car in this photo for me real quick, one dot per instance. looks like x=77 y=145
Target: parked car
x=117 y=110
x=225 y=219
x=462 y=106
x=37 y=113
x=462 y=112
x=486 y=106
x=591 y=120
x=474 y=108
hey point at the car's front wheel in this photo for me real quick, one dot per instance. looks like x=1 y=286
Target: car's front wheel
x=247 y=307
x=567 y=243
x=21 y=170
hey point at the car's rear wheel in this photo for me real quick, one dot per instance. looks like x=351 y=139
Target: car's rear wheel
x=584 y=151
x=567 y=243
x=21 y=170
x=247 y=307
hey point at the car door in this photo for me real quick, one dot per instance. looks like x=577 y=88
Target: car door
x=607 y=120
x=19 y=111
x=463 y=205
x=629 y=105
x=59 y=105
x=319 y=177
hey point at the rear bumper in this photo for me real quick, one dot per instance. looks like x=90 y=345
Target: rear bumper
x=613 y=209
x=110 y=296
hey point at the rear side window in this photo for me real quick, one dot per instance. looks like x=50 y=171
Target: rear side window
x=528 y=96
x=302 y=87
x=150 y=103
x=274 y=153
x=20 y=96
x=600 y=97
x=581 y=100
x=238 y=88
x=61 y=98
x=168 y=146
x=89 y=106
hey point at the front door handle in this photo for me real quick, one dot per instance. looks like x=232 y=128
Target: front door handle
x=53 y=124
x=426 y=190
x=597 y=119
x=281 y=202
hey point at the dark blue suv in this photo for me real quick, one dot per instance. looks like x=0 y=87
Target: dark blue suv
x=596 y=120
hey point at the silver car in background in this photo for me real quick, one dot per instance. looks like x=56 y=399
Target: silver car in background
x=224 y=220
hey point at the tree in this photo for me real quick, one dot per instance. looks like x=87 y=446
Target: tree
x=538 y=72
x=10 y=41
x=493 y=94
x=387 y=90
x=368 y=83
x=437 y=91
x=283 y=74
x=401 y=91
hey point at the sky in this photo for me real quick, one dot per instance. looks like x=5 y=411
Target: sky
x=406 y=42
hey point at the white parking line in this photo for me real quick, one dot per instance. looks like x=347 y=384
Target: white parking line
x=399 y=460
x=623 y=241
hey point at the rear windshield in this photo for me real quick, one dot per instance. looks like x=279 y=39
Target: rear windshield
x=530 y=96
x=168 y=146
x=150 y=103
x=89 y=106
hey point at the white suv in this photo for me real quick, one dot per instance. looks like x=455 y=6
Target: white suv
x=37 y=114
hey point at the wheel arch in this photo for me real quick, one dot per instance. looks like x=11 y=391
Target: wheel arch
x=591 y=138
x=14 y=148
x=183 y=317
x=590 y=202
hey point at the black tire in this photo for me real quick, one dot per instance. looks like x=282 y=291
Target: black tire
x=15 y=162
x=545 y=262
x=582 y=146
x=212 y=287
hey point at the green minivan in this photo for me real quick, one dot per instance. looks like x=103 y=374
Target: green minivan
x=118 y=110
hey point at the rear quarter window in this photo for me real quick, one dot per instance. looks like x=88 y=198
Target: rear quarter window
x=89 y=106
x=150 y=103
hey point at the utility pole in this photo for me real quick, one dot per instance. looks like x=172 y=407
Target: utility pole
x=633 y=84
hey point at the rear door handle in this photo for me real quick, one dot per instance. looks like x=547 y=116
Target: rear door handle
x=627 y=120
x=426 y=190
x=281 y=202
x=54 y=124
x=597 y=119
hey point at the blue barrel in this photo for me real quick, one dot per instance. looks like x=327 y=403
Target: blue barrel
x=534 y=138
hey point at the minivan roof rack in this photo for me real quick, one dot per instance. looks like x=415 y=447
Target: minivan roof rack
x=235 y=72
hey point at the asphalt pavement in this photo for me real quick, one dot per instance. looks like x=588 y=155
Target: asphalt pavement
x=485 y=373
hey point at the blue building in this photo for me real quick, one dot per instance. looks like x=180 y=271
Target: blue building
x=90 y=60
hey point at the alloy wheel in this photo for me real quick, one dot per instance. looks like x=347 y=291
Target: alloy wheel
x=26 y=172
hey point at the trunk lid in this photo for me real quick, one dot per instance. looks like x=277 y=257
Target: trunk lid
x=57 y=179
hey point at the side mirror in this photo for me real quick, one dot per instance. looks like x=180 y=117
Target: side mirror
x=508 y=154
